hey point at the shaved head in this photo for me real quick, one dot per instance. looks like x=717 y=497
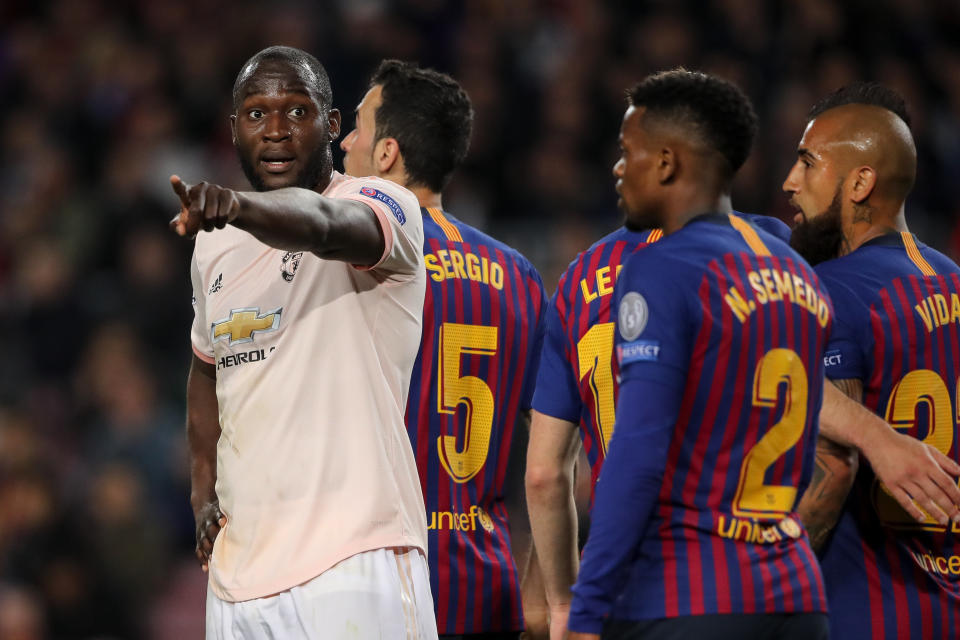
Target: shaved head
x=856 y=164
x=873 y=136
x=276 y=58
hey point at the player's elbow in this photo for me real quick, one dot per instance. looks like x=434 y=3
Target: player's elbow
x=547 y=483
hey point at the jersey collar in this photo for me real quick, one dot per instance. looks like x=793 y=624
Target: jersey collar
x=891 y=239
x=711 y=217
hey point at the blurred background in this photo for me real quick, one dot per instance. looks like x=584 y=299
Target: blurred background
x=102 y=101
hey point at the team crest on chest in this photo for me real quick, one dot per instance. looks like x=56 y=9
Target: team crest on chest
x=289 y=264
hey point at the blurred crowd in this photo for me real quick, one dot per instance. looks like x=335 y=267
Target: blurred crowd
x=104 y=100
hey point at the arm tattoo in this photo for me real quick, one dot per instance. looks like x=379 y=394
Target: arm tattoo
x=835 y=468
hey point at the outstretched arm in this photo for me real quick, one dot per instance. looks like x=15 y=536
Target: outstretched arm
x=203 y=433
x=292 y=219
x=913 y=472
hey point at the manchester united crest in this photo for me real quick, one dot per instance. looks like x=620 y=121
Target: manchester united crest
x=289 y=264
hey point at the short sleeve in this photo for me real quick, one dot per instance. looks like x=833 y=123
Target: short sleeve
x=556 y=394
x=398 y=212
x=844 y=356
x=200 y=330
x=653 y=337
x=538 y=297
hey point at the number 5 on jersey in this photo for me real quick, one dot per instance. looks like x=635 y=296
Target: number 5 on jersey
x=455 y=341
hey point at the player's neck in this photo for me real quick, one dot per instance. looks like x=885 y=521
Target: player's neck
x=326 y=177
x=428 y=198
x=863 y=231
x=695 y=204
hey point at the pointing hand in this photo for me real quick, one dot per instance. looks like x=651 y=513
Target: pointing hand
x=203 y=206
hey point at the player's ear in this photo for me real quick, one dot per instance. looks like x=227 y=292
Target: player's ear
x=233 y=128
x=864 y=182
x=386 y=155
x=667 y=165
x=333 y=122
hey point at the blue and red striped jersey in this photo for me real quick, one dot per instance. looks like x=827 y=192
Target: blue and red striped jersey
x=577 y=381
x=577 y=377
x=898 y=331
x=482 y=336
x=720 y=336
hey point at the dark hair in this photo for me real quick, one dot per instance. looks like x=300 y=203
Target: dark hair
x=295 y=57
x=868 y=93
x=717 y=110
x=429 y=115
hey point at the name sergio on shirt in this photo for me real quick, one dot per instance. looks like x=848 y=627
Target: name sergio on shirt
x=450 y=263
x=772 y=285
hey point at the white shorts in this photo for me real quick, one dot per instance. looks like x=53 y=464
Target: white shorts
x=384 y=593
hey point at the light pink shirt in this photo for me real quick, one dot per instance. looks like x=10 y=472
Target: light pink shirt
x=313 y=365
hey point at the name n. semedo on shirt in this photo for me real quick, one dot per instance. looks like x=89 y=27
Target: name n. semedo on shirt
x=773 y=285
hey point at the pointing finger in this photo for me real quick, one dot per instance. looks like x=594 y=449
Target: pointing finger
x=180 y=188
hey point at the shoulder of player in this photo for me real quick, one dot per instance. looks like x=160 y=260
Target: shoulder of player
x=845 y=269
x=849 y=282
x=769 y=225
x=477 y=238
x=371 y=186
x=664 y=263
x=583 y=259
x=941 y=263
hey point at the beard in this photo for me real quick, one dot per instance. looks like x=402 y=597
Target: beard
x=319 y=164
x=820 y=238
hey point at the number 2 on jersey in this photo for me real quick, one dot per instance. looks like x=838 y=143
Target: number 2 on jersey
x=595 y=355
x=920 y=392
x=754 y=497
x=453 y=390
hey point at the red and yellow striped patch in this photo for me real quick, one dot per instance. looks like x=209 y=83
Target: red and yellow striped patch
x=913 y=251
x=750 y=235
x=449 y=230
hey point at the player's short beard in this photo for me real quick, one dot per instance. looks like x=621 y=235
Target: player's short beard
x=820 y=238
x=319 y=165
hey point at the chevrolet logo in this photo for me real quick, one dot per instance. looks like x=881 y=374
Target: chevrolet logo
x=243 y=323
